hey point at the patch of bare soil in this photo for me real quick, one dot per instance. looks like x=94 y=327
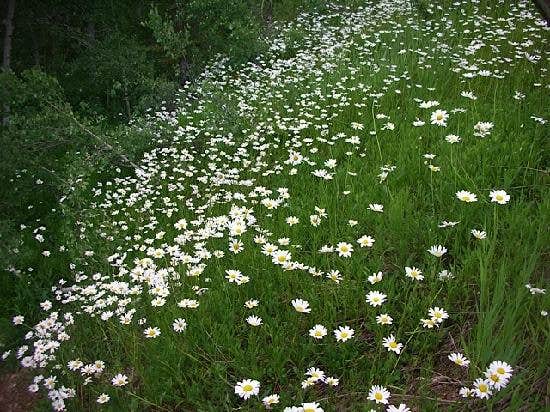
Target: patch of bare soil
x=448 y=378
x=14 y=395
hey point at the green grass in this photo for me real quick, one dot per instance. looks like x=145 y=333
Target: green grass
x=242 y=127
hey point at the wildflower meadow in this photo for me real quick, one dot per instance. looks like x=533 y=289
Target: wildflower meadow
x=354 y=220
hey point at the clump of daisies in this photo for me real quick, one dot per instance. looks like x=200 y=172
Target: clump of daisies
x=483 y=129
x=315 y=375
x=436 y=317
x=496 y=377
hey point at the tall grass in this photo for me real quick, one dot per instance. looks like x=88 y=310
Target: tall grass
x=363 y=73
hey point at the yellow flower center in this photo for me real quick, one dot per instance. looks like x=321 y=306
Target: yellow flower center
x=344 y=335
x=393 y=345
x=378 y=396
x=500 y=370
x=247 y=388
x=482 y=387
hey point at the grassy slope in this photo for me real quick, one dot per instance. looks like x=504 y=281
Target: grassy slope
x=492 y=314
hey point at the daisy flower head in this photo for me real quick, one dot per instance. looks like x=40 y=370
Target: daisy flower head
x=379 y=394
x=482 y=388
x=446 y=223
x=384 y=319
x=306 y=383
x=466 y=196
x=18 y=320
x=316 y=374
x=482 y=129
x=280 y=257
x=311 y=407
x=466 y=392
x=401 y=408
x=75 y=364
x=326 y=249
x=242 y=280
x=331 y=163
x=119 y=380
x=315 y=220
x=344 y=249
x=428 y=323
x=335 y=276
x=499 y=196
x=366 y=241
x=233 y=275
x=439 y=118
x=479 y=234
x=428 y=104
x=103 y=398
x=459 y=359
x=445 y=274
x=496 y=380
x=318 y=332
x=292 y=220
x=269 y=248
x=188 y=303
x=438 y=315
x=438 y=250
x=331 y=381
x=375 y=298
x=375 y=278
x=301 y=305
x=452 y=138
x=468 y=94
x=270 y=400
x=151 y=332
x=501 y=368
x=375 y=207
x=392 y=345
x=251 y=303
x=254 y=320
x=179 y=325
x=413 y=273
x=236 y=246
x=247 y=388
x=343 y=333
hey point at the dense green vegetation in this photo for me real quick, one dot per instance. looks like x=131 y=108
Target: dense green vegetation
x=78 y=79
x=200 y=199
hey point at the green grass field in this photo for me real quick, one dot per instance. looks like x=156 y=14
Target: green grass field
x=324 y=171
